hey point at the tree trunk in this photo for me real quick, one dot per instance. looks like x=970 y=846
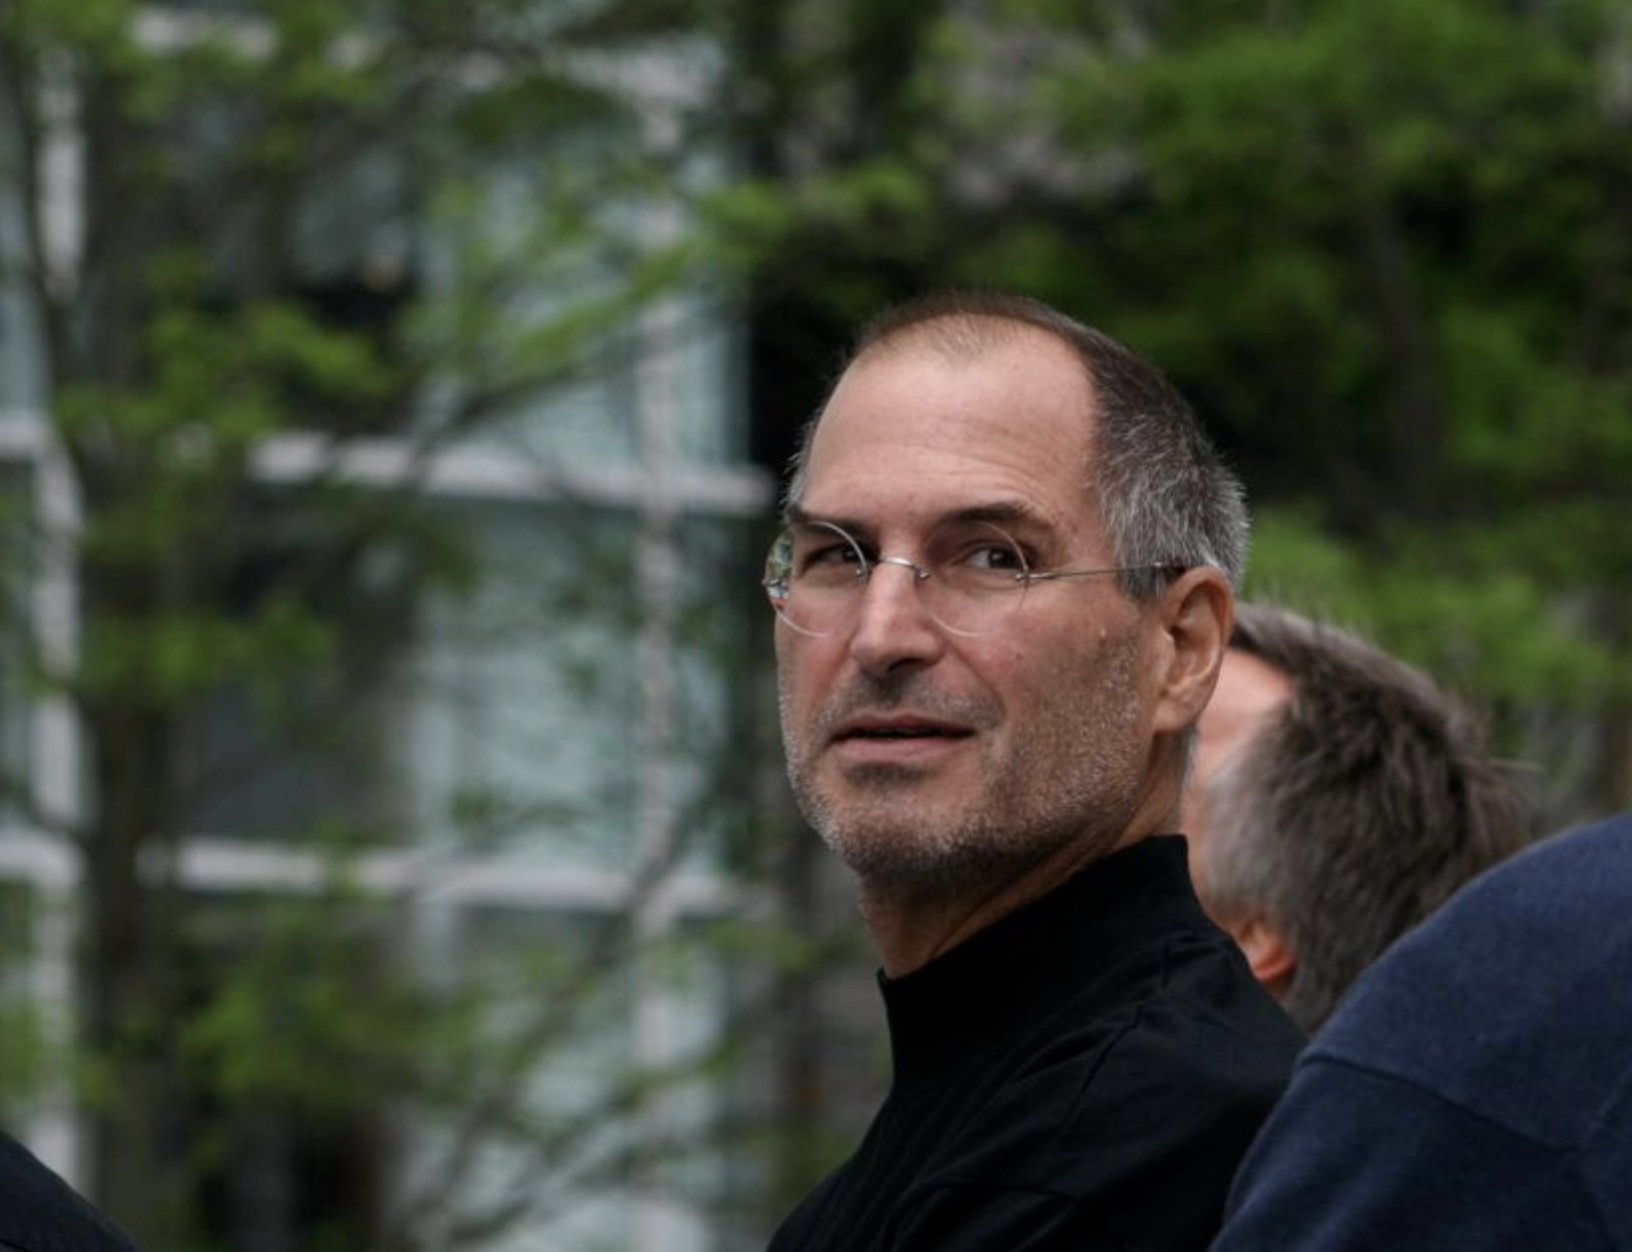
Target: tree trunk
x=130 y=978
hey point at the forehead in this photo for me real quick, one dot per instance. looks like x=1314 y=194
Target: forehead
x=913 y=432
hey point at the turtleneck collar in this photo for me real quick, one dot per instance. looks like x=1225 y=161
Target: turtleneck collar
x=972 y=998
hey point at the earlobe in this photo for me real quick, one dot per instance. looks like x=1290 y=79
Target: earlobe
x=1198 y=613
x=1271 y=957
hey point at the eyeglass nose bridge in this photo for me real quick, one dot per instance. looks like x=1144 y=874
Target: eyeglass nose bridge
x=927 y=603
x=919 y=573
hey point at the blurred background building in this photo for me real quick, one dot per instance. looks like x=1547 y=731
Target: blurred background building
x=378 y=721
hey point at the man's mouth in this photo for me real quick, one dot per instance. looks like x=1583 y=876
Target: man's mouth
x=895 y=729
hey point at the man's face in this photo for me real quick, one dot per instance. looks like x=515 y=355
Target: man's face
x=1249 y=696
x=932 y=760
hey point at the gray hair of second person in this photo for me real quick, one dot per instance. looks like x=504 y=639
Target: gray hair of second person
x=1357 y=812
x=1165 y=494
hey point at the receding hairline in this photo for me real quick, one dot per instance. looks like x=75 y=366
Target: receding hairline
x=954 y=333
x=968 y=338
x=961 y=338
x=964 y=328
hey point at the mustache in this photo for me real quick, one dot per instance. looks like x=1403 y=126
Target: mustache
x=911 y=690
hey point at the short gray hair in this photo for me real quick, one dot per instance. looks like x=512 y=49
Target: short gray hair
x=1356 y=812
x=1164 y=491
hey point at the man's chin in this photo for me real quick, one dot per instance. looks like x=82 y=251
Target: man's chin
x=920 y=866
x=910 y=844
x=878 y=834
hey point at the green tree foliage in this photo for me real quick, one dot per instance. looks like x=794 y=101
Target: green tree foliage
x=1408 y=232
x=1386 y=247
x=309 y=226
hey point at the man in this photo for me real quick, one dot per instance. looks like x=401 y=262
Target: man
x=1338 y=798
x=39 y=1212
x=1003 y=597
x=1475 y=1089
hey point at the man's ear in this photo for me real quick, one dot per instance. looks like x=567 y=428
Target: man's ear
x=1267 y=951
x=1197 y=613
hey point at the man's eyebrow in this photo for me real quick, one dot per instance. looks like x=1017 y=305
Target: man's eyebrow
x=1013 y=512
x=853 y=526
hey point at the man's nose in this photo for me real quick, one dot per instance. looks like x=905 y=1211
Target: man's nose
x=893 y=625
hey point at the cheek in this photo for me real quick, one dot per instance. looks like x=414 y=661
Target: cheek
x=1037 y=685
x=1008 y=661
x=802 y=671
x=1093 y=679
x=1067 y=654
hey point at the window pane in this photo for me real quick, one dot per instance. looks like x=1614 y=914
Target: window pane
x=522 y=696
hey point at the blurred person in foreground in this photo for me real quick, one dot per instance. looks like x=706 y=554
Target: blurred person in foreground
x=1338 y=798
x=1475 y=1088
x=1003 y=596
x=39 y=1212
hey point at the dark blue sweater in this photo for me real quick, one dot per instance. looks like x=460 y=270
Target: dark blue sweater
x=1475 y=1090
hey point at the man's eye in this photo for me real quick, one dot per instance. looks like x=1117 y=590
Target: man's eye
x=827 y=557
x=828 y=553
x=994 y=556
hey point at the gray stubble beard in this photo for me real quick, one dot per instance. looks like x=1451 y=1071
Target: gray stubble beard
x=1023 y=821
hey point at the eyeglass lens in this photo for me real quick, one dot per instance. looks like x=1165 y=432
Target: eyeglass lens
x=969 y=576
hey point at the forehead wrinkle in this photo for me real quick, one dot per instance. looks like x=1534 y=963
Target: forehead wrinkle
x=996 y=489
x=1014 y=511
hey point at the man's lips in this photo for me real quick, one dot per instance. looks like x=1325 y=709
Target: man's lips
x=898 y=737
x=900 y=726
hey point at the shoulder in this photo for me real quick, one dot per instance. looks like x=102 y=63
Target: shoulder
x=1475 y=1089
x=1553 y=886
x=1537 y=933
x=1499 y=1001
x=1549 y=889
x=1587 y=869
x=1356 y=1159
x=1206 y=1052
x=39 y=1212
x=1174 y=1083
x=1149 y=1114
x=1202 y=1023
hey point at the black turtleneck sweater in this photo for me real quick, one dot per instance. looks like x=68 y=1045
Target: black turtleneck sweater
x=1084 y=1074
